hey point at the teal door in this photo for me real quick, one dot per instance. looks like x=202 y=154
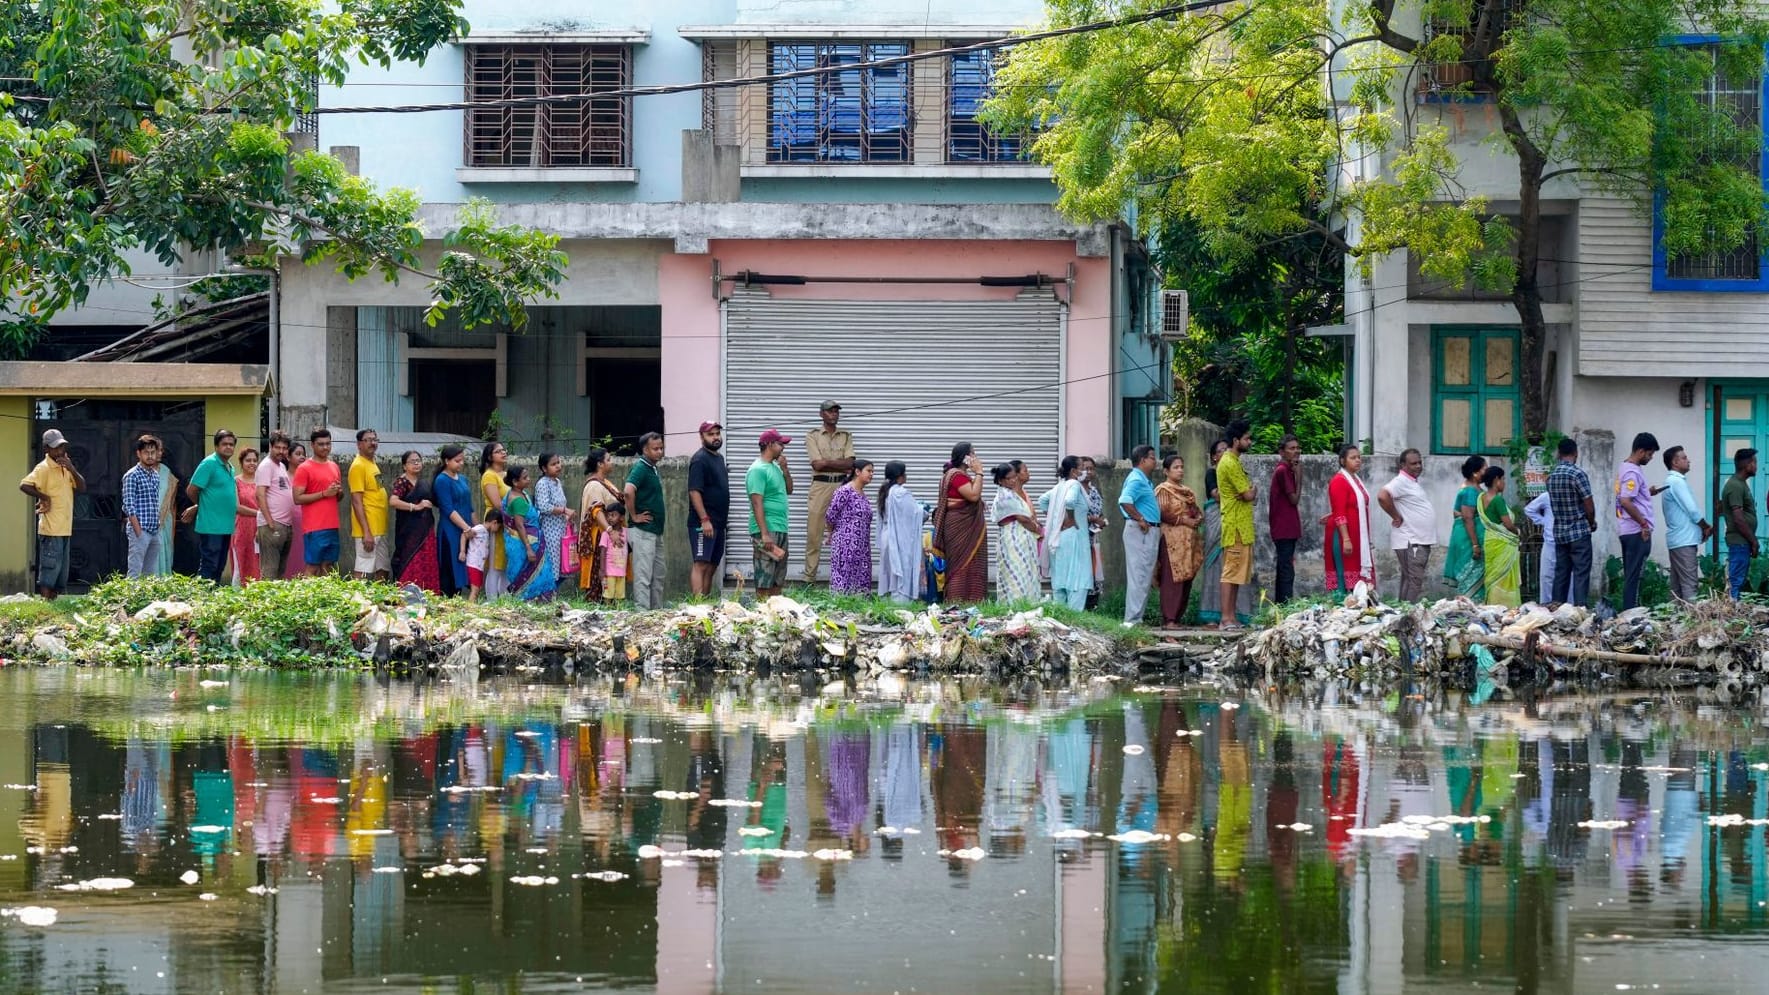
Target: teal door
x=1741 y=421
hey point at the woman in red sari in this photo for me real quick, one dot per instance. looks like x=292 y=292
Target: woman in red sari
x=1346 y=541
x=414 y=528
x=961 y=533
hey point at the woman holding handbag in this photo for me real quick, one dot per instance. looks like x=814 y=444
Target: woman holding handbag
x=598 y=496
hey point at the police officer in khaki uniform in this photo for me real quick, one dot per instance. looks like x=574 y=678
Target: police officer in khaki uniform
x=831 y=451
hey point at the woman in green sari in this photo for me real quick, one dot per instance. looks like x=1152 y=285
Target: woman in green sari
x=1462 y=567
x=1502 y=575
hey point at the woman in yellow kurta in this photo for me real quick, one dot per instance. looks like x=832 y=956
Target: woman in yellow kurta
x=493 y=460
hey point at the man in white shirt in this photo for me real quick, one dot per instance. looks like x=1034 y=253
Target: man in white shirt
x=1413 y=521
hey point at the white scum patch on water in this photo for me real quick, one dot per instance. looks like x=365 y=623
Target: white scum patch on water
x=1134 y=750
x=754 y=831
x=533 y=880
x=190 y=877
x=605 y=876
x=371 y=832
x=19 y=787
x=1137 y=837
x=532 y=776
x=1189 y=732
x=968 y=853
x=1604 y=824
x=773 y=852
x=97 y=884
x=325 y=800
x=461 y=789
x=1391 y=831
x=208 y=830
x=1732 y=819
x=1299 y=827
x=110 y=816
x=449 y=870
x=1186 y=838
x=734 y=803
x=1229 y=706
x=212 y=684
x=677 y=796
x=387 y=870
x=1070 y=834
x=646 y=740
x=207 y=896
x=832 y=854
x=260 y=890
x=31 y=915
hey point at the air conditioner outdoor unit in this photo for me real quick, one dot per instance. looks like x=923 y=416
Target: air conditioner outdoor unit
x=1175 y=314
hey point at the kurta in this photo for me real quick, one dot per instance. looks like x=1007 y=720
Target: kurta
x=849 y=517
x=1071 y=551
x=1016 y=567
x=899 y=546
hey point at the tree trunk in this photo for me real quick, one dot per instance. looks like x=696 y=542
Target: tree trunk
x=1526 y=293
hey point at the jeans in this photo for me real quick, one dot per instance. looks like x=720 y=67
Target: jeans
x=1738 y=567
x=213 y=552
x=144 y=552
x=1572 y=572
x=1635 y=549
x=1286 y=573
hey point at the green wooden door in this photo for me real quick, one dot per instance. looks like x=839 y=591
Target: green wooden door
x=1741 y=421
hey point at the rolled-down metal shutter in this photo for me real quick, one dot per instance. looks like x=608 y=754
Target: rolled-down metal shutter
x=913 y=377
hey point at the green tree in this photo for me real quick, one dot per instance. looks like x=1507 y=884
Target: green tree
x=1248 y=353
x=1249 y=122
x=163 y=125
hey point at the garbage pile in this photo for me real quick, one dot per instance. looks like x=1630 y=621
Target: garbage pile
x=1364 y=638
x=729 y=635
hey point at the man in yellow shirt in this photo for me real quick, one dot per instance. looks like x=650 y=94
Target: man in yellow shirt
x=52 y=484
x=368 y=510
x=1237 y=495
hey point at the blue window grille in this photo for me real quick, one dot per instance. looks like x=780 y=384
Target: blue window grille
x=970 y=80
x=1742 y=269
x=851 y=115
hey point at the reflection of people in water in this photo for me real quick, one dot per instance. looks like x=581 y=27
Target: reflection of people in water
x=902 y=784
x=957 y=758
x=1234 y=807
x=1339 y=784
x=769 y=788
x=1282 y=802
x=1010 y=786
x=1681 y=817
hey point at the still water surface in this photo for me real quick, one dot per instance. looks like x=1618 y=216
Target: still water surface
x=341 y=833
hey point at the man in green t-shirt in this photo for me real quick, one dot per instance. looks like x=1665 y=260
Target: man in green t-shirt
x=768 y=482
x=216 y=501
x=1740 y=512
x=644 y=500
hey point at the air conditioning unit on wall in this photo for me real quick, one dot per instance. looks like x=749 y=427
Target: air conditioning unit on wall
x=1175 y=314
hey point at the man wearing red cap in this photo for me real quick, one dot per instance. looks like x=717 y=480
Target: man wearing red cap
x=709 y=509
x=768 y=483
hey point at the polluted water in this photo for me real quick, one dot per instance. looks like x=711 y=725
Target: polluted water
x=345 y=833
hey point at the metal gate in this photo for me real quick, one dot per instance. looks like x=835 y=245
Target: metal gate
x=914 y=378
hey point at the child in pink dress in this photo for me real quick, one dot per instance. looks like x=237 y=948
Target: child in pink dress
x=614 y=555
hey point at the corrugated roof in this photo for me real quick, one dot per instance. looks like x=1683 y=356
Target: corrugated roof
x=44 y=379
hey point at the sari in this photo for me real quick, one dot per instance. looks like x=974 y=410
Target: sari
x=1181 y=555
x=1210 y=597
x=1016 y=564
x=1460 y=567
x=1350 y=503
x=597 y=497
x=899 y=546
x=245 y=534
x=452 y=496
x=1071 y=548
x=1504 y=582
x=414 y=538
x=529 y=580
x=961 y=538
x=168 y=517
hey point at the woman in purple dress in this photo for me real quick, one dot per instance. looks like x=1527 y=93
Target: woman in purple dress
x=850 y=534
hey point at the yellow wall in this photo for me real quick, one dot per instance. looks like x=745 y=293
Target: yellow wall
x=17 y=456
x=238 y=415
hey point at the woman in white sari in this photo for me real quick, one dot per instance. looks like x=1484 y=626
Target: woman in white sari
x=1065 y=530
x=899 y=537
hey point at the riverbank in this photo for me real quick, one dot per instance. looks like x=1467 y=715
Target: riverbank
x=333 y=622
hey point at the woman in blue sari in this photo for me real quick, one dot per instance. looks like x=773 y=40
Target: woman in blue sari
x=529 y=568
x=454 y=506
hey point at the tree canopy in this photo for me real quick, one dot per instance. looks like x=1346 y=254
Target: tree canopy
x=164 y=125
x=1253 y=123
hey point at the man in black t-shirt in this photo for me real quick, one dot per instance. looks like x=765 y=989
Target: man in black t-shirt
x=709 y=506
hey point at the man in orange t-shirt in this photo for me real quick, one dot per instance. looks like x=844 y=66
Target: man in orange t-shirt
x=317 y=486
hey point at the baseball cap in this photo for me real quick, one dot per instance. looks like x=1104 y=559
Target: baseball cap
x=52 y=438
x=707 y=426
x=829 y=406
x=772 y=436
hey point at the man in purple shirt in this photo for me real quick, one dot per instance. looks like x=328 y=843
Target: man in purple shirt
x=1633 y=516
x=1284 y=515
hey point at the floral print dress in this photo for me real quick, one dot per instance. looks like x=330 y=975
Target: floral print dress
x=850 y=542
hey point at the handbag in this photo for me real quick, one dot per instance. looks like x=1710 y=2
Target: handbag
x=568 y=544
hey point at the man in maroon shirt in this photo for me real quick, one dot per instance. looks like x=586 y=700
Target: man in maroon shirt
x=1285 y=515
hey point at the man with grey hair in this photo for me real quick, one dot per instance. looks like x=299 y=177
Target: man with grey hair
x=1412 y=521
x=1142 y=532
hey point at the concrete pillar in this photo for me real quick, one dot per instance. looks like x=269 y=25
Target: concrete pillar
x=710 y=172
x=304 y=349
x=1389 y=363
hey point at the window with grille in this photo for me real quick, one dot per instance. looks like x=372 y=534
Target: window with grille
x=970 y=80
x=1455 y=80
x=848 y=115
x=1736 y=108
x=593 y=132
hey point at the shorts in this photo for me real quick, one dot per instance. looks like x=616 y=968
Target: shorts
x=707 y=550
x=52 y=562
x=476 y=577
x=614 y=589
x=320 y=547
x=1237 y=564
x=378 y=562
x=769 y=572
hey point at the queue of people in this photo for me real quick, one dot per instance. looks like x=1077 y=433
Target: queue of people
x=513 y=531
